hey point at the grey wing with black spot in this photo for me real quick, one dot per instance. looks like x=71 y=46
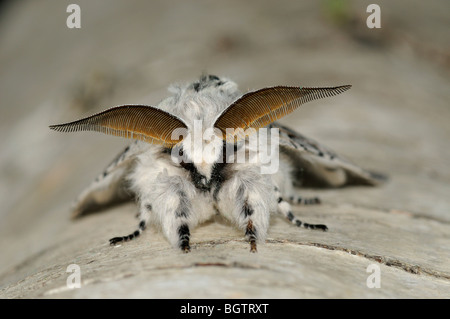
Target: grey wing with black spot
x=111 y=186
x=318 y=166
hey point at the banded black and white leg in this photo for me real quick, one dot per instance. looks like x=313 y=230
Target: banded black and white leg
x=171 y=198
x=295 y=199
x=184 y=236
x=144 y=216
x=250 y=229
x=284 y=208
x=177 y=218
x=249 y=211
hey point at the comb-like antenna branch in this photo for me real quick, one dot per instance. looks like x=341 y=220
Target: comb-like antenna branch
x=142 y=122
x=260 y=108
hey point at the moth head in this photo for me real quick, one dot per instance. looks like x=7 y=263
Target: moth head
x=210 y=82
x=199 y=145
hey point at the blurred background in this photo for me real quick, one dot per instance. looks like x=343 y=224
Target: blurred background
x=394 y=119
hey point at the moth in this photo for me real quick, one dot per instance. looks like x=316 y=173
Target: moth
x=178 y=189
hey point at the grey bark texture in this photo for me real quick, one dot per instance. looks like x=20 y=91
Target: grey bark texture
x=394 y=120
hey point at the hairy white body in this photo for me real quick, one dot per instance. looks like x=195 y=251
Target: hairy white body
x=174 y=200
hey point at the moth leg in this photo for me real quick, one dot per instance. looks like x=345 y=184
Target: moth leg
x=252 y=216
x=184 y=236
x=304 y=200
x=171 y=198
x=251 y=223
x=250 y=233
x=177 y=218
x=284 y=208
x=144 y=216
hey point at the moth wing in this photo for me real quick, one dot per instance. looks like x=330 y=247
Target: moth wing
x=315 y=165
x=110 y=187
